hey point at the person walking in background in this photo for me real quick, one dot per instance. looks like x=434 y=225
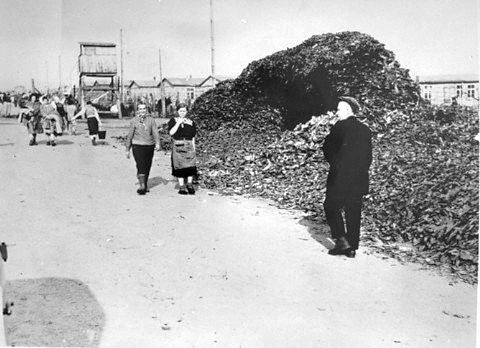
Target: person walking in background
x=183 y=132
x=143 y=139
x=348 y=150
x=52 y=123
x=93 y=120
x=33 y=119
x=61 y=111
x=71 y=108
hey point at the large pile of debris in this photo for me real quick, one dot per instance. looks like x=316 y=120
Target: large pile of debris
x=290 y=86
x=425 y=188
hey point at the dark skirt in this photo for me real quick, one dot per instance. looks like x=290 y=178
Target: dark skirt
x=92 y=123
x=143 y=155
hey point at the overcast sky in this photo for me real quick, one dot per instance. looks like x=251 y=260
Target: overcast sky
x=37 y=36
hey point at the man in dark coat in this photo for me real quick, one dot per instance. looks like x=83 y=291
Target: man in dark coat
x=348 y=150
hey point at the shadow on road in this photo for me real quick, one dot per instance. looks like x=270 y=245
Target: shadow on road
x=58 y=142
x=157 y=180
x=53 y=312
x=7 y=144
x=319 y=231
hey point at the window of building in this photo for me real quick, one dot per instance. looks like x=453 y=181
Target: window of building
x=471 y=91
x=191 y=93
x=427 y=92
x=459 y=91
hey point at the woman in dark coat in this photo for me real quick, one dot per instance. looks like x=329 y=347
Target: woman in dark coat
x=183 y=132
x=348 y=150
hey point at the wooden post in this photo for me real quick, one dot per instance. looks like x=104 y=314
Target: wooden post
x=162 y=87
x=60 y=72
x=122 y=99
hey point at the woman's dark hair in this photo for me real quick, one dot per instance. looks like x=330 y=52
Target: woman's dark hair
x=70 y=100
x=181 y=105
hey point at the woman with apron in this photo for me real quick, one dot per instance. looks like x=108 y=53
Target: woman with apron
x=183 y=131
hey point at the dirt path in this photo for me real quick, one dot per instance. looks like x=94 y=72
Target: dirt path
x=91 y=263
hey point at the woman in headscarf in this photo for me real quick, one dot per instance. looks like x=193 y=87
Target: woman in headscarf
x=183 y=131
x=33 y=119
x=143 y=139
x=52 y=123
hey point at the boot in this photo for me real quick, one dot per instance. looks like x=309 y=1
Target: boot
x=141 y=182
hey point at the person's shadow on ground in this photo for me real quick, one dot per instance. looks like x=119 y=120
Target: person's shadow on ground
x=157 y=180
x=319 y=231
x=57 y=142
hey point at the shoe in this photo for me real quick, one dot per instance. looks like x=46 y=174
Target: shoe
x=53 y=143
x=351 y=254
x=338 y=251
x=48 y=143
x=35 y=143
x=94 y=142
x=348 y=252
x=190 y=189
x=141 y=191
x=183 y=190
x=31 y=143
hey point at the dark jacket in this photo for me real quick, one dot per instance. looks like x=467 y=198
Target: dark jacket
x=348 y=150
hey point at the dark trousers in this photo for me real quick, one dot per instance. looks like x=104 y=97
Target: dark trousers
x=352 y=206
x=143 y=155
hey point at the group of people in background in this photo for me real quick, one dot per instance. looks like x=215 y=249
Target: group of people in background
x=54 y=116
x=7 y=104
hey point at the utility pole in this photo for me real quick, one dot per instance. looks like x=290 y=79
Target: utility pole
x=46 y=69
x=162 y=87
x=60 y=72
x=212 y=44
x=121 y=100
x=121 y=65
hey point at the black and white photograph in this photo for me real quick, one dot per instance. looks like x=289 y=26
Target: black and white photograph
x=239 y=173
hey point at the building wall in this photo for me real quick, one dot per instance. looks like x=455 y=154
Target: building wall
x=182 y=93
x=136 y=92
x=466 y=93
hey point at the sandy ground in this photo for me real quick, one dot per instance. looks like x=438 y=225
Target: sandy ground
x=91 y=263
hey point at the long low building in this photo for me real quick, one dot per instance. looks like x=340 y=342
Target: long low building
x=181 y=89
x=446 y=89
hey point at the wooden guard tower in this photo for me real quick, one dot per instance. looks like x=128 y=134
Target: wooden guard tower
x=98 y=60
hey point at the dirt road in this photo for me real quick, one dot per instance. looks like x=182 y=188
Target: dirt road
x=91 y=263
